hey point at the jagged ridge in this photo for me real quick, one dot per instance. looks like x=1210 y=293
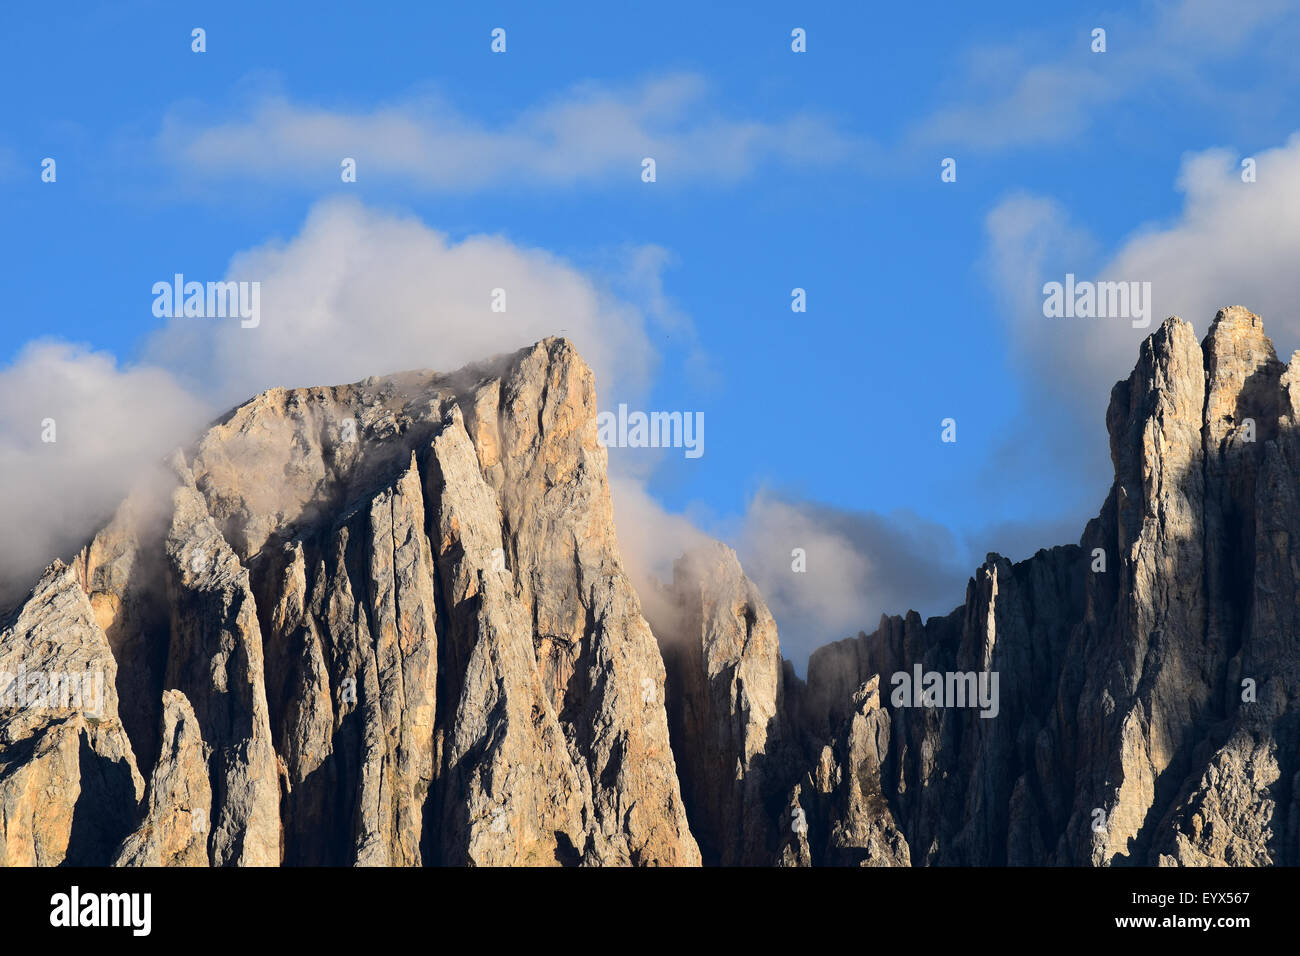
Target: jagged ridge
x=388 y=623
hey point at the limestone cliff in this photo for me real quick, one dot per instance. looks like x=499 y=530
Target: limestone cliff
x=384 y=623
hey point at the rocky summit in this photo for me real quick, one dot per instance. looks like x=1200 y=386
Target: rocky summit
x=388 y=623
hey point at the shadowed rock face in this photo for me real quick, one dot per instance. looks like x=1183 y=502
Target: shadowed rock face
x=726 y=705
x=1147 y=711
x=388 y=624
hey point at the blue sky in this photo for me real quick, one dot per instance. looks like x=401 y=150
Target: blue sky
x=778 y=170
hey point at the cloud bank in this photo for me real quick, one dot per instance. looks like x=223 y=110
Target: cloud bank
x=77 y=431
x=359 y=292
x=1233 y=242
x=592 y=133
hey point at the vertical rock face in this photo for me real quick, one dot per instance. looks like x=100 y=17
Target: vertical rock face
x=863 y=831
x=837 y=814
x=215 y=660
x=727 y=708
x=178 y=811
x=388 y=624
x=960 y=787
x=123 y=572
x=68 y=778
x=535 y=437
x=1147 y=686
x=353 y=661
x=404 y=610
x=521 y=795
x=1239 y=806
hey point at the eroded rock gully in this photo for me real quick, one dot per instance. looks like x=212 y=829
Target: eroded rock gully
x=388 y=624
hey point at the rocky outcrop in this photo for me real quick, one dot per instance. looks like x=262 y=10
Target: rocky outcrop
x=727 y=707
x=378 y=624
x=838 y=814
x=68 y=778
x=535 y=438
x=957 y=782
x=215 y=659
x=522 y=797
x=178 y=811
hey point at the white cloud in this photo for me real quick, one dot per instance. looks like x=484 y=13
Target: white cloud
x=1046 y=103
x=109 y=422
x=650 y=539
x=360 y=292
x=1011 y=99
x=859 y=564
x=1232 y=243
x=593 y=133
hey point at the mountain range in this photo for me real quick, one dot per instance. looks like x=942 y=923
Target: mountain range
x=388 y=623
